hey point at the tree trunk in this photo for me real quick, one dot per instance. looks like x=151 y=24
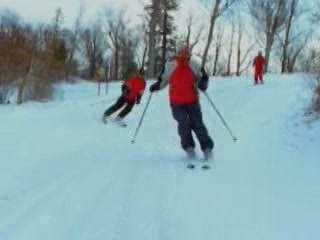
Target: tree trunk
x=267 y=53
x=116 y=62
x=230 y=52
x=23 y=82
x=209 y=40
x=287 y=35
x=216 y=59
x=164 y=39
x=216 y=12
x=145 y=50
x=92 y=68
x=239 y=49
x=217 y=52
x=152 y=39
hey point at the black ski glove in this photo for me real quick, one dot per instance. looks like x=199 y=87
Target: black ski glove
x=203 y=83
x=156 y=86
x=124 y=89
x=138 y=99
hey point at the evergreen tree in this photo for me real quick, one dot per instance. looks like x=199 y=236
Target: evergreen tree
x=161 y=32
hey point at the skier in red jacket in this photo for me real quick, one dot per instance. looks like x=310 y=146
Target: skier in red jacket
x=184 y=79
x=257 y=64
x=132 y=91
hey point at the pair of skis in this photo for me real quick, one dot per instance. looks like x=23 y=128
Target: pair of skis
x=193 y=164
x=114 y=121
x=193 y=161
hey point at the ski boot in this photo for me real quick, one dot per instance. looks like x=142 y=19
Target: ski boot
x=191 y=155
x=207 y=158
x=105 y=118
x=207 y=154
x=120 y=121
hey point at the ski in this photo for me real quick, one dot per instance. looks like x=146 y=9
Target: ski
x=114 y=121
x=205 y=166
x=122 y=124
x=191 y=166
x=198 y=164
x=204 y=163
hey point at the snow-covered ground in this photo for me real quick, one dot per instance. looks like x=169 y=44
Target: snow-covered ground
x=66 y=176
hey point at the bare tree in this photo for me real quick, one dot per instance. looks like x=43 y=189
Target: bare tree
x=218 y=44
x=12 y=60
x=309 y=60
x=192 y=41
x=294 y=51
x=44 y=64
x=288 y=24
x=242 y=55
x=74 y=40
x=92 y=42
x=231 y=43
x=116 y=27
x=32 y=57
x=316 y=13
x=218 y=7
x=128 y=49
x=295 y=45
x=295 y=36
x=269 y=18
x=143 y=30
x=57 y=23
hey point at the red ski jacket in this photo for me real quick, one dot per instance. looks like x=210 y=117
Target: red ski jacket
x=182 y=88
x=258 y=63
x=134 y=87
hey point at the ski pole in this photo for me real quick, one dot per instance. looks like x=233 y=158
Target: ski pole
x=141 y=119
x=234 y=138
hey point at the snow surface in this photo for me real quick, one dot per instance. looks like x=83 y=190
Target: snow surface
x=66 y=176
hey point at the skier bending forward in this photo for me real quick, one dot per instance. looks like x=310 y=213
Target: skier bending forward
x=132 y=91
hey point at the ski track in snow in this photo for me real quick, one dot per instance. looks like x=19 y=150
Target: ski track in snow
x=93 y=184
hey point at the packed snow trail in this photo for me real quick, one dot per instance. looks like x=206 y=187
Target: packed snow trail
x=65 y=175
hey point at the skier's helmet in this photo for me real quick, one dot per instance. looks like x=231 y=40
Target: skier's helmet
x=183 y=53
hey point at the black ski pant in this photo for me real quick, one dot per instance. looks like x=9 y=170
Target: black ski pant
x=128 y=105
x=189 y=118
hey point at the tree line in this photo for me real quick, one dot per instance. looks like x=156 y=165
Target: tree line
x=223 y=38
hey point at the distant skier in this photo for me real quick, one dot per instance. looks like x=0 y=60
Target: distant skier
x=184 y=79
x=257 y=64
x=132 y=91
x=100 y=74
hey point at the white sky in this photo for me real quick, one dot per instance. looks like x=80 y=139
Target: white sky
x=43 y=10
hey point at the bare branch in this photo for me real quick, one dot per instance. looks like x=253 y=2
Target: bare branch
x=218 y=8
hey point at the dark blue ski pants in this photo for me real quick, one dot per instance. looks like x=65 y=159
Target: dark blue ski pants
x=189 y=118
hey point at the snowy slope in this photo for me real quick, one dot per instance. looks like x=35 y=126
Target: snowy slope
x=66 y=176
